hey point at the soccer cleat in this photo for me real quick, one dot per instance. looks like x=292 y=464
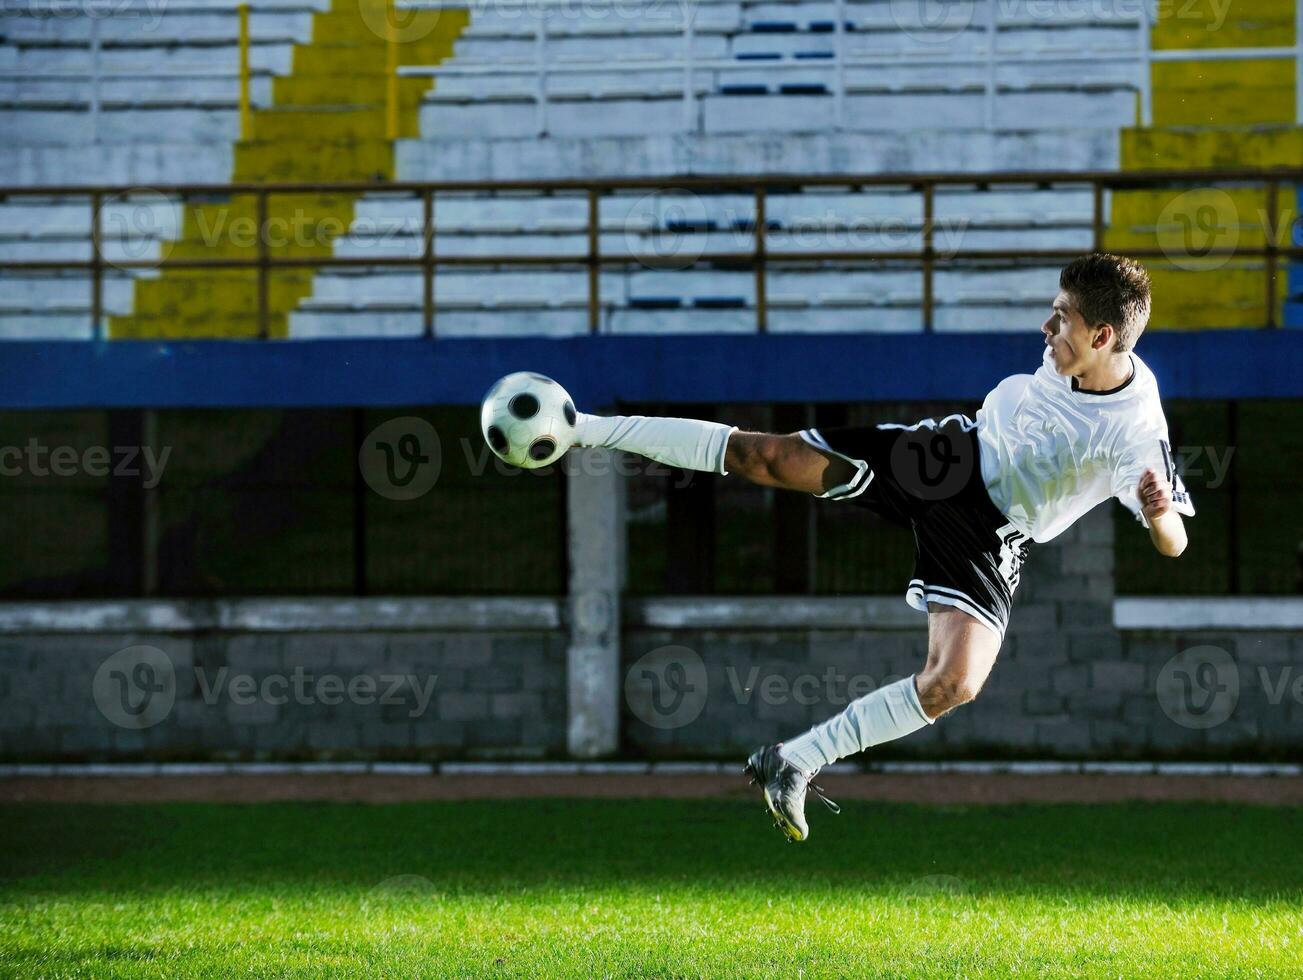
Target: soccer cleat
x=784 y=787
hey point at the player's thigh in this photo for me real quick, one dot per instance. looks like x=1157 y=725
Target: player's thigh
x=786 y=461
x=961 y=649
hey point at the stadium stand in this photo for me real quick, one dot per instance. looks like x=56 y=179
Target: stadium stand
x=1212 y=113
x=766 y=93
x=168 y=95
x=768 y=68
x=681 y=226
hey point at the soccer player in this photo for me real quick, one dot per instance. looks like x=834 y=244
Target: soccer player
x=1045 y=449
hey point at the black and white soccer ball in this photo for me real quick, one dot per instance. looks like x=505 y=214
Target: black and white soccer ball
x=528 y=420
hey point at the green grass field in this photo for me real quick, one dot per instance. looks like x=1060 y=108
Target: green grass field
x=657 y=888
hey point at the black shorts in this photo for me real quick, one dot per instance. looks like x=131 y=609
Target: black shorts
x=928 y=477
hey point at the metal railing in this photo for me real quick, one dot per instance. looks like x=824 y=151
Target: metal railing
x=759 y=258
x=544 y=67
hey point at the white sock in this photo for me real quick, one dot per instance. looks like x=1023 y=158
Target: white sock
x=687 y=443
x=885 y=714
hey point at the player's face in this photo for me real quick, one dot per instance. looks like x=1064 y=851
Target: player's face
x=1068 y=337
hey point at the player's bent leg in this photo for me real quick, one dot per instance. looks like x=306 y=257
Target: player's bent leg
x=961 y=653
x=786 y=770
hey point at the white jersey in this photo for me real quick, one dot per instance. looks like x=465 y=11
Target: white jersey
x=1051 y=452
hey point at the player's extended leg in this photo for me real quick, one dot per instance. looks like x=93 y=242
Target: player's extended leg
x=785 y=461
x=961 y=653
x=788 y=462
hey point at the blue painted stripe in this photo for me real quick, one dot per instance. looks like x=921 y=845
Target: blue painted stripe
x=601 y=370
x=1293 y=314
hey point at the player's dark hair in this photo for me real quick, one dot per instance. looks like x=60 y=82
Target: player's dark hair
x=1110 y=289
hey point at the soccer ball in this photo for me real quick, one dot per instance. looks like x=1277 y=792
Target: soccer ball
x=528 y=420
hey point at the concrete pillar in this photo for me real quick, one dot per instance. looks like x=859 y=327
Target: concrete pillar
x=596 y=540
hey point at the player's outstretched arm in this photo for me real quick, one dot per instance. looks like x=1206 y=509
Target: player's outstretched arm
x=785 y=461
x=1166 y=529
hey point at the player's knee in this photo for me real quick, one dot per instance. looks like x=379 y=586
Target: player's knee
x=756 y=456
x=943 y=690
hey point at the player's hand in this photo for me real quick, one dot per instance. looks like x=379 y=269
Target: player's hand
x=1155 y=495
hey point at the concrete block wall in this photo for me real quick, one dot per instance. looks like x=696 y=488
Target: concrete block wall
x=1219 y=693
x=284 y=681
x=1068 y=683
x=695 y=678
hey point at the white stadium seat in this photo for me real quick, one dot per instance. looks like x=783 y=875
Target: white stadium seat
x=762 y=102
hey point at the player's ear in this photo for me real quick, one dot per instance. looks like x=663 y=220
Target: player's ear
x=1105 y=337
